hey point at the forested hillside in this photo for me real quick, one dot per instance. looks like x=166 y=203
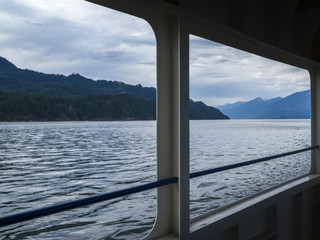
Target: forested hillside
x=27 y=95
x=30 y=107
x=74 y=85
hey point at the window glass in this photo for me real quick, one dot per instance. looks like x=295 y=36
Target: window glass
x=268 y=104
x=77 y=112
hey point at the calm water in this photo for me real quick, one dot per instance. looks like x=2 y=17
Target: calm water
x=47 y=163
x=218 y=143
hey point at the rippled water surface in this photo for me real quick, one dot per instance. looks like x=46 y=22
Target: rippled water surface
x=218 y=143
x=48 y=163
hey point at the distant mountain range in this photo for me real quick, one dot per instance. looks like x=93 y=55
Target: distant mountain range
x=27 y=95
x=296 y=106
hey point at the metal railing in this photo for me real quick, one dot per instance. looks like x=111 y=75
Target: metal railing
x=236 y=165
x=24 y=216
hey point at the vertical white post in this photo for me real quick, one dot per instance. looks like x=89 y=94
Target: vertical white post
x=170 y=25
x=172 y=124
x=315 y=117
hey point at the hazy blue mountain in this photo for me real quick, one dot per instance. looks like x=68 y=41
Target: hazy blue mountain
x=296 y=105
x=58 y=93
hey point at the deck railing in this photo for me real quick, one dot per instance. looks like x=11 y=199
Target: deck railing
x=27 y=215
x=241 y=164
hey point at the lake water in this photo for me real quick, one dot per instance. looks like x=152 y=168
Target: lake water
x=47 y=163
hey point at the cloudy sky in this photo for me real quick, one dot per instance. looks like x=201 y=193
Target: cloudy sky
x=75 y=36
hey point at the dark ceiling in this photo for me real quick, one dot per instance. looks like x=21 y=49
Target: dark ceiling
x=291 y=25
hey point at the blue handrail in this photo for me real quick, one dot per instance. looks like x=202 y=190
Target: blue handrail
x=236 y=165
x=24 y=216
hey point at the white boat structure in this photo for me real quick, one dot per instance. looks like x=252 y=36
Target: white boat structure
x=287 y=31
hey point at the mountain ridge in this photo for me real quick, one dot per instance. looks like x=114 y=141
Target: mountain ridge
x=74 y=92
x=73 y=85
x=294 y=106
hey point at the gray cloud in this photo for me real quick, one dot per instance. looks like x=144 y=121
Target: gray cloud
x=76 y=36
x=221 y=74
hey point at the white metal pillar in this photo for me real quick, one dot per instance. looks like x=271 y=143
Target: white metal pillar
x=172 y=124
x=170 y=24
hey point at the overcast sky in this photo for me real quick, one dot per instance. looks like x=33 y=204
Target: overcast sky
x=75 y=36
